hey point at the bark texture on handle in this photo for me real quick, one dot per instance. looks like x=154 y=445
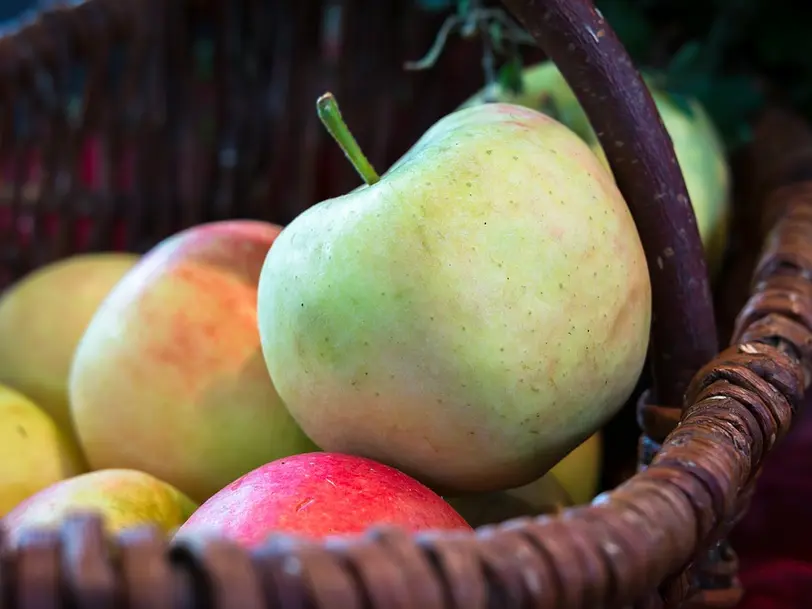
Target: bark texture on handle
x=597 y=67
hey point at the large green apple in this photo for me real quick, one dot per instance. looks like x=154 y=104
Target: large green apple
x=697 y=143
x=471 y=317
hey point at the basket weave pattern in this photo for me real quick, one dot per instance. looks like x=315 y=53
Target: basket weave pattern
x=636 y=545
x=122 y=121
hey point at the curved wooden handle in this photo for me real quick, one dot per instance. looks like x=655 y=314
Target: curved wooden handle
x=619 y=106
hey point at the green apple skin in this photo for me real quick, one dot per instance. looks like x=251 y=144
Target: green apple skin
x=473 y=316
x=697 y=144
x=701 y=157
x=544 y=89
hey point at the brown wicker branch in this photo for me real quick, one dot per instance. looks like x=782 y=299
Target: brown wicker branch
x=620 y=108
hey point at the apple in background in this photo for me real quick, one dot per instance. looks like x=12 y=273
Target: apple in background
x=124 y=499
x=572 y=481
x=471 y=317
x=42 y=318
x=698 y=145
x=542 y=496
x=169 y=377
x=702 y=159
x=318 y=495
x=579 y=472
x=34 y=452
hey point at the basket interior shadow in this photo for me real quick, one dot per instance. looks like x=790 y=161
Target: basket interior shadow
x=125 y=121
x=632 y=545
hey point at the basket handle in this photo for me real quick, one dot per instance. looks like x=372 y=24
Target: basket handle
x=597 y=67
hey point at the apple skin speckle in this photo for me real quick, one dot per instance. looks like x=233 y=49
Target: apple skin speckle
x=459 y=311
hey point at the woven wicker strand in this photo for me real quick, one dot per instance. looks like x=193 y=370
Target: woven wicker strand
x=576 y=36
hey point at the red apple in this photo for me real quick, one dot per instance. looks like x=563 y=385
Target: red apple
x=320 y=494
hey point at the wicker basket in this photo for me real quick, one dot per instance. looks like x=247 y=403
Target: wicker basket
x=152 y=144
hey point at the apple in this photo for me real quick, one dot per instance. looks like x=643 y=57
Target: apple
x=571 y=481
x=169 y=377
x=544 y=89
x=579 y=472
x=542 y=496
x=42 y=318
x=471 y=316
x=34 y=452
x=697 y=143
x=123 y=498
x=701 y=156
x=318 y=495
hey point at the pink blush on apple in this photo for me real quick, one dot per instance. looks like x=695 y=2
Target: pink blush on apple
x=316 y=495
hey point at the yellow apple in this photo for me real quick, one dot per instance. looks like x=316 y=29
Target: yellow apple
x=34 y=453
x=123 y=498
x=572 y=481
x=542 y=496
x=579 y=472
x=42 y=318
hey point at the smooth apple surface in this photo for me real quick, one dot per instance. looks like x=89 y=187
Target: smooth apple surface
x=542 y=496
x=472 y=317
x=697 y=143
x=572 y=481
x=169 y=377
x=42 y=319
x=579 y=472
x=318 y=495
x=123 y=498
x=34 y=452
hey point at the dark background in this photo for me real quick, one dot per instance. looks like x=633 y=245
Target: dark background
x=11 y=8
x=731 y=54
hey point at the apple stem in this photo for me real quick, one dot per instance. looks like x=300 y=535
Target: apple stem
x=330 y=116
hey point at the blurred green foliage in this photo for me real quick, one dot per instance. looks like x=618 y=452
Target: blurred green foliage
x=727 y=53
x=730 y=54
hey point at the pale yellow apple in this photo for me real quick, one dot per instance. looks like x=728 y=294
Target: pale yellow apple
x=572 y=481
x=580 y=471
x=34 y=453
x=42 y=318
x=123 y=498
x=543 y=496
x=169 y=378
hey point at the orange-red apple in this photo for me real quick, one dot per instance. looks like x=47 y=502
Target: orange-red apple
x=169 y=377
